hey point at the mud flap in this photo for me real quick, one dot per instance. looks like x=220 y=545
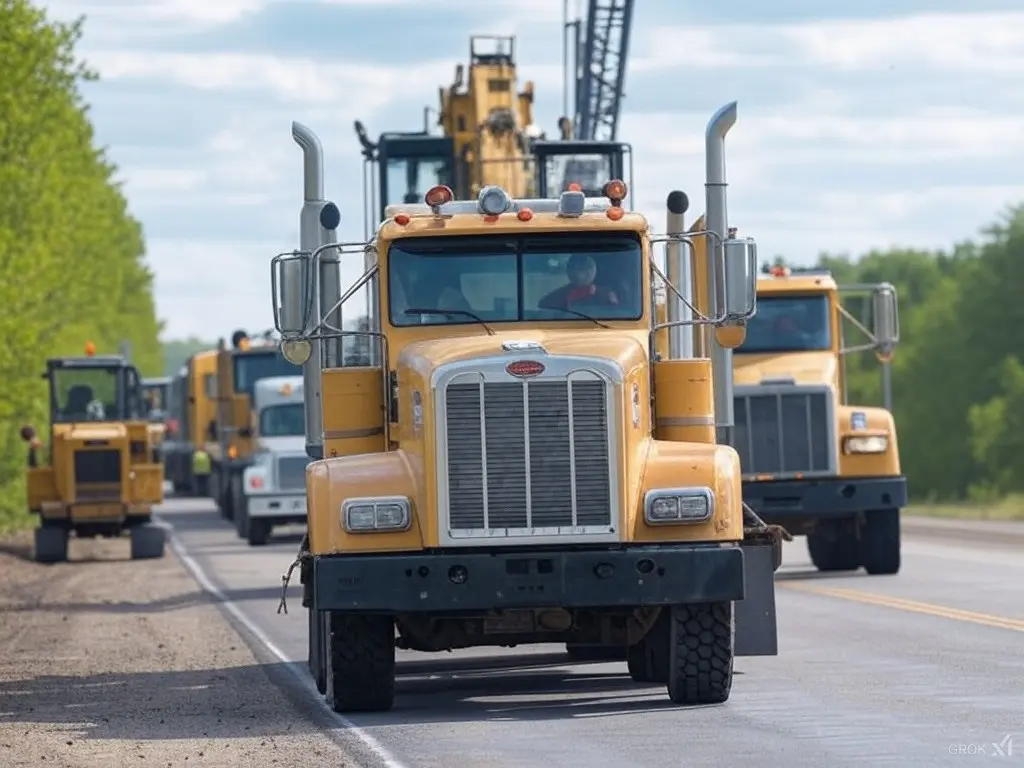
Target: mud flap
x=756 y=628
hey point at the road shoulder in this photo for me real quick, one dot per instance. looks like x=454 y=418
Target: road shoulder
x=112 y=662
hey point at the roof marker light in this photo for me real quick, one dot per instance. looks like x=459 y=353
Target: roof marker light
x=401 y=219
x=615 y=190
x=437 y=196
x=525 y=214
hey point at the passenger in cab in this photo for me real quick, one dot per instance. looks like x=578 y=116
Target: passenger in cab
x=581 y=289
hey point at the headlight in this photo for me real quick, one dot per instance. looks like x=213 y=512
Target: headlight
x=866 y=444
x=671 y=506
x=254 y=479
x=371 y=515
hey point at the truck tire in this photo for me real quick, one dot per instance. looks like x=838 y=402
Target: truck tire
x=241 y=515
x=147 y=541
x=257 y=531
x=834 y=550
x=360 y=663
x=647 y=661
x=51 y=544
x=700 y=653
x=880 y=542
x=316 y=650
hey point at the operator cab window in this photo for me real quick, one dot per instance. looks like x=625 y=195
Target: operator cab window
x=250 y=367
x=88 y=393
x=591 y=171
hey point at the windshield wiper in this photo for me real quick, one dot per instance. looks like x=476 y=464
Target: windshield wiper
x=584 y=315
x=448 y=313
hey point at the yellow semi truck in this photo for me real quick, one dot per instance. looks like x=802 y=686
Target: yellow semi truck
x=103 y=476
x=191 y=412
x=229 y=442
x=812 y=462
x=514 y=466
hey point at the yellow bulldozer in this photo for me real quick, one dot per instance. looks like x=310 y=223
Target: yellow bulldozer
x=513 y=463
x=103 y=474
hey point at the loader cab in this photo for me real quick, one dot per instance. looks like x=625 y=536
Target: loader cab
x=93 y=389
x=401 y=167
x=586 y=163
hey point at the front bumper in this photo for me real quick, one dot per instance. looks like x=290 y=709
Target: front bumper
x=776 y=501
x=283 y=506
x=633 y=576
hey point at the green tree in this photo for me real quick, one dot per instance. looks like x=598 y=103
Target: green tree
x=65 y=232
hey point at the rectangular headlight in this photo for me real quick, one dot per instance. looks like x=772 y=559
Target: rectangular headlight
x=672 y=506
x=866 y=444
x=376 y=514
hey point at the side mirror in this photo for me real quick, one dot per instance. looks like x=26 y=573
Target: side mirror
x=292 y=292
x=28 y=433
x=740 y=256
x=885 y=313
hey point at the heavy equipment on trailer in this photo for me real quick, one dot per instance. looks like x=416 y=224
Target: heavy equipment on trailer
x=230 y=435
x=488 y=133
x=103 y=476
x=274 y=485
x=516 y=465
x=812 y=462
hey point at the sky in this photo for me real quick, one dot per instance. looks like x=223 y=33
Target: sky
x=867 y=125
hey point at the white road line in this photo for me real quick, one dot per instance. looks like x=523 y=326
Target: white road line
x=379 y=751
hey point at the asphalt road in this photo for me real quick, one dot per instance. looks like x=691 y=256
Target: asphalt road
x=923 y=668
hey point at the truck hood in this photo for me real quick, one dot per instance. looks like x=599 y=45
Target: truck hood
x=627 y=348
x=805 y=367
x=290 y=444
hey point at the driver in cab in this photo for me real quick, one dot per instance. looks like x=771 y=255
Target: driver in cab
x=581 y=271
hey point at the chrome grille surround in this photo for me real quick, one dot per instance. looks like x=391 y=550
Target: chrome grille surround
x=785 y=430
x=573 y=495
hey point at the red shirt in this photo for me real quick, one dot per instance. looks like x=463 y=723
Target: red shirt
x=568 y=294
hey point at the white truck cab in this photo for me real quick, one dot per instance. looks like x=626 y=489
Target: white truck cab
x=274 y=486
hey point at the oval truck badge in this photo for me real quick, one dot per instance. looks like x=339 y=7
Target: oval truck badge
x=525 y=368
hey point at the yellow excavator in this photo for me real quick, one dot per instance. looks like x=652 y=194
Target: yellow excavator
x=488 y=139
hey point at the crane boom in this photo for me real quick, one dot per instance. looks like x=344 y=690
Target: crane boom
x=601 y=54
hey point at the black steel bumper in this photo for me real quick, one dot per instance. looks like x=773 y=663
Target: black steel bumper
x=437 y=582
x=777 y=501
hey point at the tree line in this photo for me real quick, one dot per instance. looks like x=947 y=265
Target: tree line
x=958 y=374
x=71 y=254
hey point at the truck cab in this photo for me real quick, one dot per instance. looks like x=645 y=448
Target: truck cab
x=812 y=462
x=274 y=485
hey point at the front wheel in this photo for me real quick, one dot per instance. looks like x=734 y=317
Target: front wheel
x=700 y=653
x=360 y=662
x=880 y=542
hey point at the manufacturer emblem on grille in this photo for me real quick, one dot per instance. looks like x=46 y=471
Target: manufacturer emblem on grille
x=525 y=368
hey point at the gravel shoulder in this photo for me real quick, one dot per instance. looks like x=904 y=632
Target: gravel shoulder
x=108 y=662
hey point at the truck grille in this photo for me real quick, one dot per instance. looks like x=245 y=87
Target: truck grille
x=291 y=473
x=97 y=474
x=784 y=432
x=532 y=459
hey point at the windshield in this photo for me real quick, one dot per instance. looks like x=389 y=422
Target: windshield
x=282 y=420
x=590 y=171
x=789 y=324
x=499 y=278
x=88 y=393
x=250 y=367
x=408 y=179
x=154 y=397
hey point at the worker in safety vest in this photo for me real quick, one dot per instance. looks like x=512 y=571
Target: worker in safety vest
x=201 y=466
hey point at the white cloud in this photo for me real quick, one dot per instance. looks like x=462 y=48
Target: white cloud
x=848 y=137
x=976 y=43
